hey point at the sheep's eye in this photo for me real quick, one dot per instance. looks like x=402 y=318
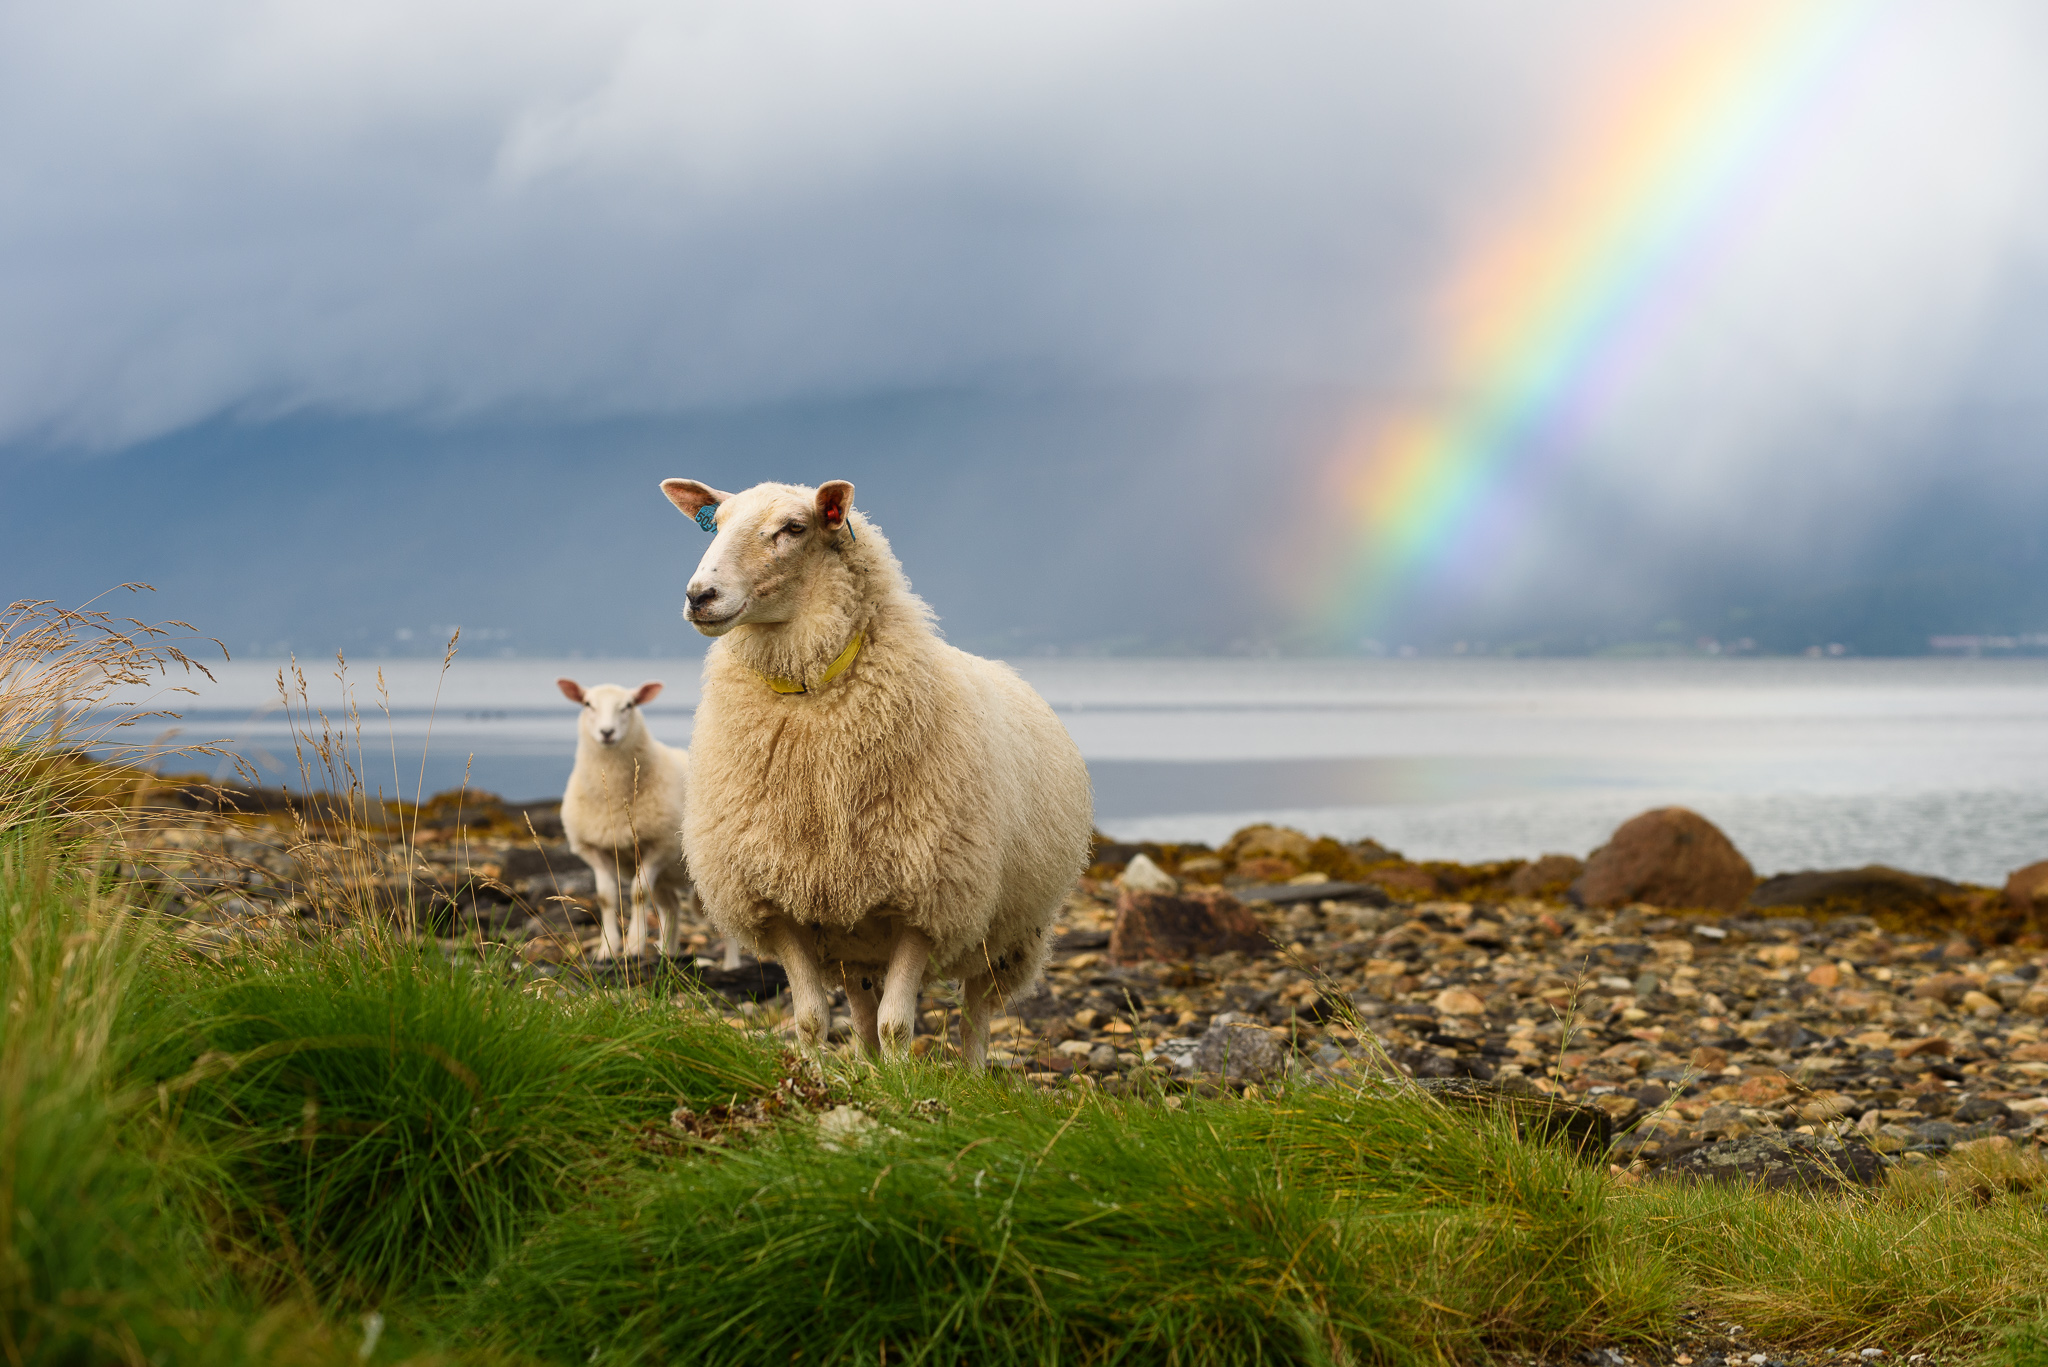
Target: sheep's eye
x=793 y=528
x=629 y=707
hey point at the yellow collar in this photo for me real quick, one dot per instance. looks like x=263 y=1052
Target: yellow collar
x=832 y=671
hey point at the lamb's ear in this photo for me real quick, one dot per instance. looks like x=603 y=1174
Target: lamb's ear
x=571 y=690
x=835 y=501
x=649 y=691
x=690 y=496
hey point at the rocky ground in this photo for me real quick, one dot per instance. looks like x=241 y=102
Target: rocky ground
x=1906 y=1013
x=1685 y=1030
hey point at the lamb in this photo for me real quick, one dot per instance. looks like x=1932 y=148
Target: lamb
x=868 y=804
x=623 y=814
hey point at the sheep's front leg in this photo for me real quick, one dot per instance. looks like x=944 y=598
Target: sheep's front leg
x=636 y=930
x=607 y=879
x=897 y=1020
x=807 y=989
x=977 y=1004
x=864 y=999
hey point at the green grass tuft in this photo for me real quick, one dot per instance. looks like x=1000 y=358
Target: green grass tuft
x=96 y=1264
x=367 y=1120
x=69 y=1198
x=1914 y=1266
x=1023 y=1229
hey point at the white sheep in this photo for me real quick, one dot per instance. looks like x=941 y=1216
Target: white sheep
x=867 y=803
x=623 y=814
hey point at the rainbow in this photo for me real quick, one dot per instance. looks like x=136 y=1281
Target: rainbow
x=1545 y=324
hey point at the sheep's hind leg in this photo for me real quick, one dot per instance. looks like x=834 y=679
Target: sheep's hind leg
x=732 y=942
x=977 y=1004
x=864 y=1000
x=668 y=904
x=807 y=990
x=897 y=1021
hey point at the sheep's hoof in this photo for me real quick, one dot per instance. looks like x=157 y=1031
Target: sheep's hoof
x=896 y=1042
x=603 y=951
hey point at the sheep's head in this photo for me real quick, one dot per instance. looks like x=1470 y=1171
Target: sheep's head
x=774 y=548
x=611 y=714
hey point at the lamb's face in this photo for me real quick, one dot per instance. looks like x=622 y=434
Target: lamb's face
x=772 y=544
x=611 y=714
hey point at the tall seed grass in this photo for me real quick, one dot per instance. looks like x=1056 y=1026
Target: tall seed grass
x=79 y=680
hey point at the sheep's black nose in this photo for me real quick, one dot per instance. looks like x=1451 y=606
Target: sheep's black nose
x=700 y=598
x=605 y=731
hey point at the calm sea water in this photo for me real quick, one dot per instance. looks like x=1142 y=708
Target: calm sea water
x=1936 y=765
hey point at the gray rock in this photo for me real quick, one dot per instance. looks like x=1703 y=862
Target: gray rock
x=1142 y=875
x=1777 y=1161
x=1973 y=1109
x=1721 y=1117
x=1938 y=1134
x=1177 y=1054
x=1238 y=1049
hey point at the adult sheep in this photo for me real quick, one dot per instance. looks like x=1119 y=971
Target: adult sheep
x=868 y=804
x=623 y=815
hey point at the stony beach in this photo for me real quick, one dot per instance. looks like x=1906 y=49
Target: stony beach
x=1903 y=1014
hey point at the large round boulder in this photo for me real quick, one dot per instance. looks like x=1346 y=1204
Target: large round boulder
x=1670 y=857
x=2026 y=894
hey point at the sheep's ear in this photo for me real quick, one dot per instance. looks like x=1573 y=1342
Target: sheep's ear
x=835 y=501
x=689 y=495
x=649 y=691
x=571 y=690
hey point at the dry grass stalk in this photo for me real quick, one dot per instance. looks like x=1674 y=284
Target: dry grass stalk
x=67 y=680
x=357 y=850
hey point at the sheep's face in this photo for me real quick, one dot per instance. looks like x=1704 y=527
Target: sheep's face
x=775 y=546
x=611 y=714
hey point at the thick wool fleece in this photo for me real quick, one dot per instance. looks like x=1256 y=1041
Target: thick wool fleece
x=923 y=784
x=628 y=798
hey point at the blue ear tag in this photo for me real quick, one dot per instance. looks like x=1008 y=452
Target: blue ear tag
x=707 y=517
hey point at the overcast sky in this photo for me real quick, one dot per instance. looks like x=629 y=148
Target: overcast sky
x=438 y=217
